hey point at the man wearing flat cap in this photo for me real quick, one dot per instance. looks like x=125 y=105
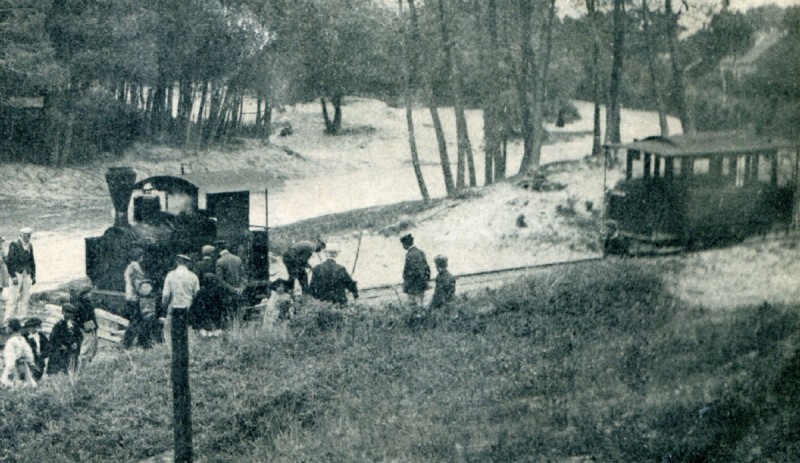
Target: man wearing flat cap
x=329 y=280
x=207 y=263
x=416 y=272
x=180 y=288
x=22 y=269
x=65 y=342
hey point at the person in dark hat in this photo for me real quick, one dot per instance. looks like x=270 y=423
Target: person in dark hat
x=18 y=358
x=22 y=270
x=329 y=280
x=134 y=277
x=208 y=315
x=87 y=321
x=207 y=262
x=39 y=343
x=416 y=272
x=65 y=343
x=296 y=261
x=180 y=288
x=445 y=290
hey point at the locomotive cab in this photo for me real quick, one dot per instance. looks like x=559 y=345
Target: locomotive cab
x=695 y=190
x=168 y=215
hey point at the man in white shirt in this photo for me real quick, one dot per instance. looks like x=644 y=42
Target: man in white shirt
x=180 y=288
x=22 y=269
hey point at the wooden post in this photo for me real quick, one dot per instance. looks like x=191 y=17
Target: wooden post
x=181 y=396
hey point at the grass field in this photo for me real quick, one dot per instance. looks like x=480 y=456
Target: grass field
x=593 y=364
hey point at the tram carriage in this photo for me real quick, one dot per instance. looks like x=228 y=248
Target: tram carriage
x=688 y=191
x=169 y=215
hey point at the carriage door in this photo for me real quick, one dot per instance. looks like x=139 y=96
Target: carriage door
x=232 y=211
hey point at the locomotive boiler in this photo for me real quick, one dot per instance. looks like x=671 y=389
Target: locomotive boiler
x=168 y=215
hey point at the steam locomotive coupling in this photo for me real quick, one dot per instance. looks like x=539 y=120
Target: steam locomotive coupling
x=168 y=215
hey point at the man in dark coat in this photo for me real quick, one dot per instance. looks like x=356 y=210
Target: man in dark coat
x=230 y=272
x=207 y=264
x=208 y=312
x=22 y=270
x=445 y=290
x=416 y=272
x=329 y=280
x=296 y=261
x=65 y=343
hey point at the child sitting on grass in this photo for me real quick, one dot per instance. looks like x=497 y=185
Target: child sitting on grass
x=279 y=304
x=18 y=358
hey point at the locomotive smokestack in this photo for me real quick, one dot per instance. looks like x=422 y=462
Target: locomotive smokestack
x=120 y=184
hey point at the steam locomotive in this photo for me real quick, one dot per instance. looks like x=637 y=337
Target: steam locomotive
x=169 y=215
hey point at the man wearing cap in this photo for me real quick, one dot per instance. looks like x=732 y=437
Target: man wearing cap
x=207 y=263
x=180 y=288
x=134 y=276
x=296 y=261
x=65 y=343
x=329 y=280
x=22 y=269
x=230 y=272
x=87 y=322
x=416 y=272
x=445 y=290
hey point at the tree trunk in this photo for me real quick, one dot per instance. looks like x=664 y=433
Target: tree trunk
x=540 y=92
x=453 y=67
x=328 y=123
x=678 y=88
x=525 y=83
x=336 y=101
x=441 y=142
x=267 y=130
x=491 y=113
x=615 y=84
x=409 y=70
x=651 y=67
x=157 y=116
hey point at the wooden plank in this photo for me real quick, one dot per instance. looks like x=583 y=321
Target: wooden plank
x=104 y=315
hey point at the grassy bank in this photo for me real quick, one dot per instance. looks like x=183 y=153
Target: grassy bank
x=592 y=364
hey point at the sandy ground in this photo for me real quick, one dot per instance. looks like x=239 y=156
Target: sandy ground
x=370 y=166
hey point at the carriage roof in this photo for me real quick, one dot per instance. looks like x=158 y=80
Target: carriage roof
x=707 y=143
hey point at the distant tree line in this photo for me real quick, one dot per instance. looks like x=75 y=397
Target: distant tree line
x=81 y=77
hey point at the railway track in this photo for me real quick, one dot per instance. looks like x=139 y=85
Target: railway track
x=471 y=282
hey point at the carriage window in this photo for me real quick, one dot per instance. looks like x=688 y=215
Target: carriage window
x=785 y=167
x=701 y=166
x=764 y=167
x=741 y=165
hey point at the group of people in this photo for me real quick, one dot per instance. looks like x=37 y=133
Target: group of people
x=29 y=353
x=210 y=289
x=330 y=281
